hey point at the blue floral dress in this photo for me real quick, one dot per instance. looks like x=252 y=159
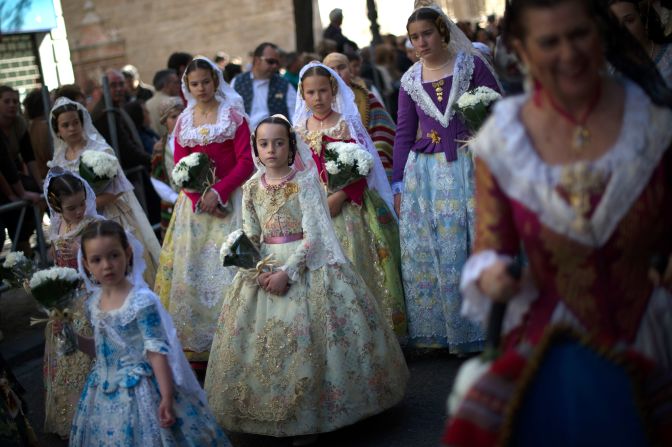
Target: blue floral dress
x=120 y=401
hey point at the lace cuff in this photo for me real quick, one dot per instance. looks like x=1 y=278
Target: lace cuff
x=156 y=345
x=476 y=305
x=398 y=187
x=296 y=263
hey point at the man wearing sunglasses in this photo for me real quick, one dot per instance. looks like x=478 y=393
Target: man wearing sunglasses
x=264 y=91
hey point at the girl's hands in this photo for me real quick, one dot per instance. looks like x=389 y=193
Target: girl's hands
x=209 y=202
x=262 y=280
x=497 y=283
x=335 y=202
x=166 y=415
x=277 y=283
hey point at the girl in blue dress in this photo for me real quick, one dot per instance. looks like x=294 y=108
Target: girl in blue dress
x=141 y=391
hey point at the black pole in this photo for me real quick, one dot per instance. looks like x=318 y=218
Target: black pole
x=46 y=104
x=303 y=25
x=111 y=119
x=373 y=18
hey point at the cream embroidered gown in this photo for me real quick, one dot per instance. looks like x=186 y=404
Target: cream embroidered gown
x=317 y=359
x=367 y=231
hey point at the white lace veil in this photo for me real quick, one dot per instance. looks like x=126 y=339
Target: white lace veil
x=459 y=42
x=94 y=140
x=225 y=94
x=464 y=52
x=183 y=375
x=344 y=103
x=55 y=218
x=318 y=231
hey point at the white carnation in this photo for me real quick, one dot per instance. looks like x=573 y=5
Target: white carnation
x=332 y=167
x=480 y=95
x=180 y=175
x=101 y=163
x=364 y=163
x=14 y=258
x=191 y=160
x=55 y=273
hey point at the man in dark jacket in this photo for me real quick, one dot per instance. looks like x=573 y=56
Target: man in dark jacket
x=333 y=32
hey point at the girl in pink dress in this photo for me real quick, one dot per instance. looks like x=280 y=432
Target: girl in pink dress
x=191 y=281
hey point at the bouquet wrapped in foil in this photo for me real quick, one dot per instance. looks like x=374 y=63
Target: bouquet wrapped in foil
x=195 y=173
x=239 y=251
x=56 y=289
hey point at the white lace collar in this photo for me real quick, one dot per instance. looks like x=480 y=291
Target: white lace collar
x=504 y=145
x=462 y=72
x=224 y=129
x=135 y=300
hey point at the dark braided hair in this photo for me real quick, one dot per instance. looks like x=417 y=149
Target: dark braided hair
x=63 y=186
x=622 y=50
x=203 y=65
x=103 y=228
x=290 y=134
x=62 y=109
x=433 y=16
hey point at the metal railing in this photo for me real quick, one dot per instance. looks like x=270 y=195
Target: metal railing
x=23 y=206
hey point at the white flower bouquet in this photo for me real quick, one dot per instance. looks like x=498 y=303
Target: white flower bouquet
x=346 y=163
x=239 y=251
x=475 y=106
x=98 y=169
x=54 y=289
x=196 y=173
x=16 y=269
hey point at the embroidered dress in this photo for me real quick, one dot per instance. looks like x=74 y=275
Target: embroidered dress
x=589 y=231
x=119 y=405
x=435 y=174
x=191 y=280
x=64 y=376
x=126 y=209
x=314 y=360
x=366 y=230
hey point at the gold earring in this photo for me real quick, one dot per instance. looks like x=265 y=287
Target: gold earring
x=444 y=45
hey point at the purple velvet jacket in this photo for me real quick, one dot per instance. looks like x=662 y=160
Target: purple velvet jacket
x=418 y=129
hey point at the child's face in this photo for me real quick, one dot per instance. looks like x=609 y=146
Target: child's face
x=273 y=145
x=69 y=127
x=171 y=120
x=106 y=259
x=201 y=84
x=317 y=94
x=73 y=207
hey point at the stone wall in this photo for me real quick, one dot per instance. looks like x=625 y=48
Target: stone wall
x=152 y=30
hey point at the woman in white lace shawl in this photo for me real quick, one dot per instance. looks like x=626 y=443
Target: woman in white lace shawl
x=433 y=180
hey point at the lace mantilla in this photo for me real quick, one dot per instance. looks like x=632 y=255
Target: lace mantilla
x=645 y=135
x=462 y=73
x=224 y=129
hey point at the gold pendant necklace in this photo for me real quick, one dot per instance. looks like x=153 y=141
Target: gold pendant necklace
x=438 y=89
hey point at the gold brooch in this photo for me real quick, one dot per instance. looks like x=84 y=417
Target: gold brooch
x=436 y=138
